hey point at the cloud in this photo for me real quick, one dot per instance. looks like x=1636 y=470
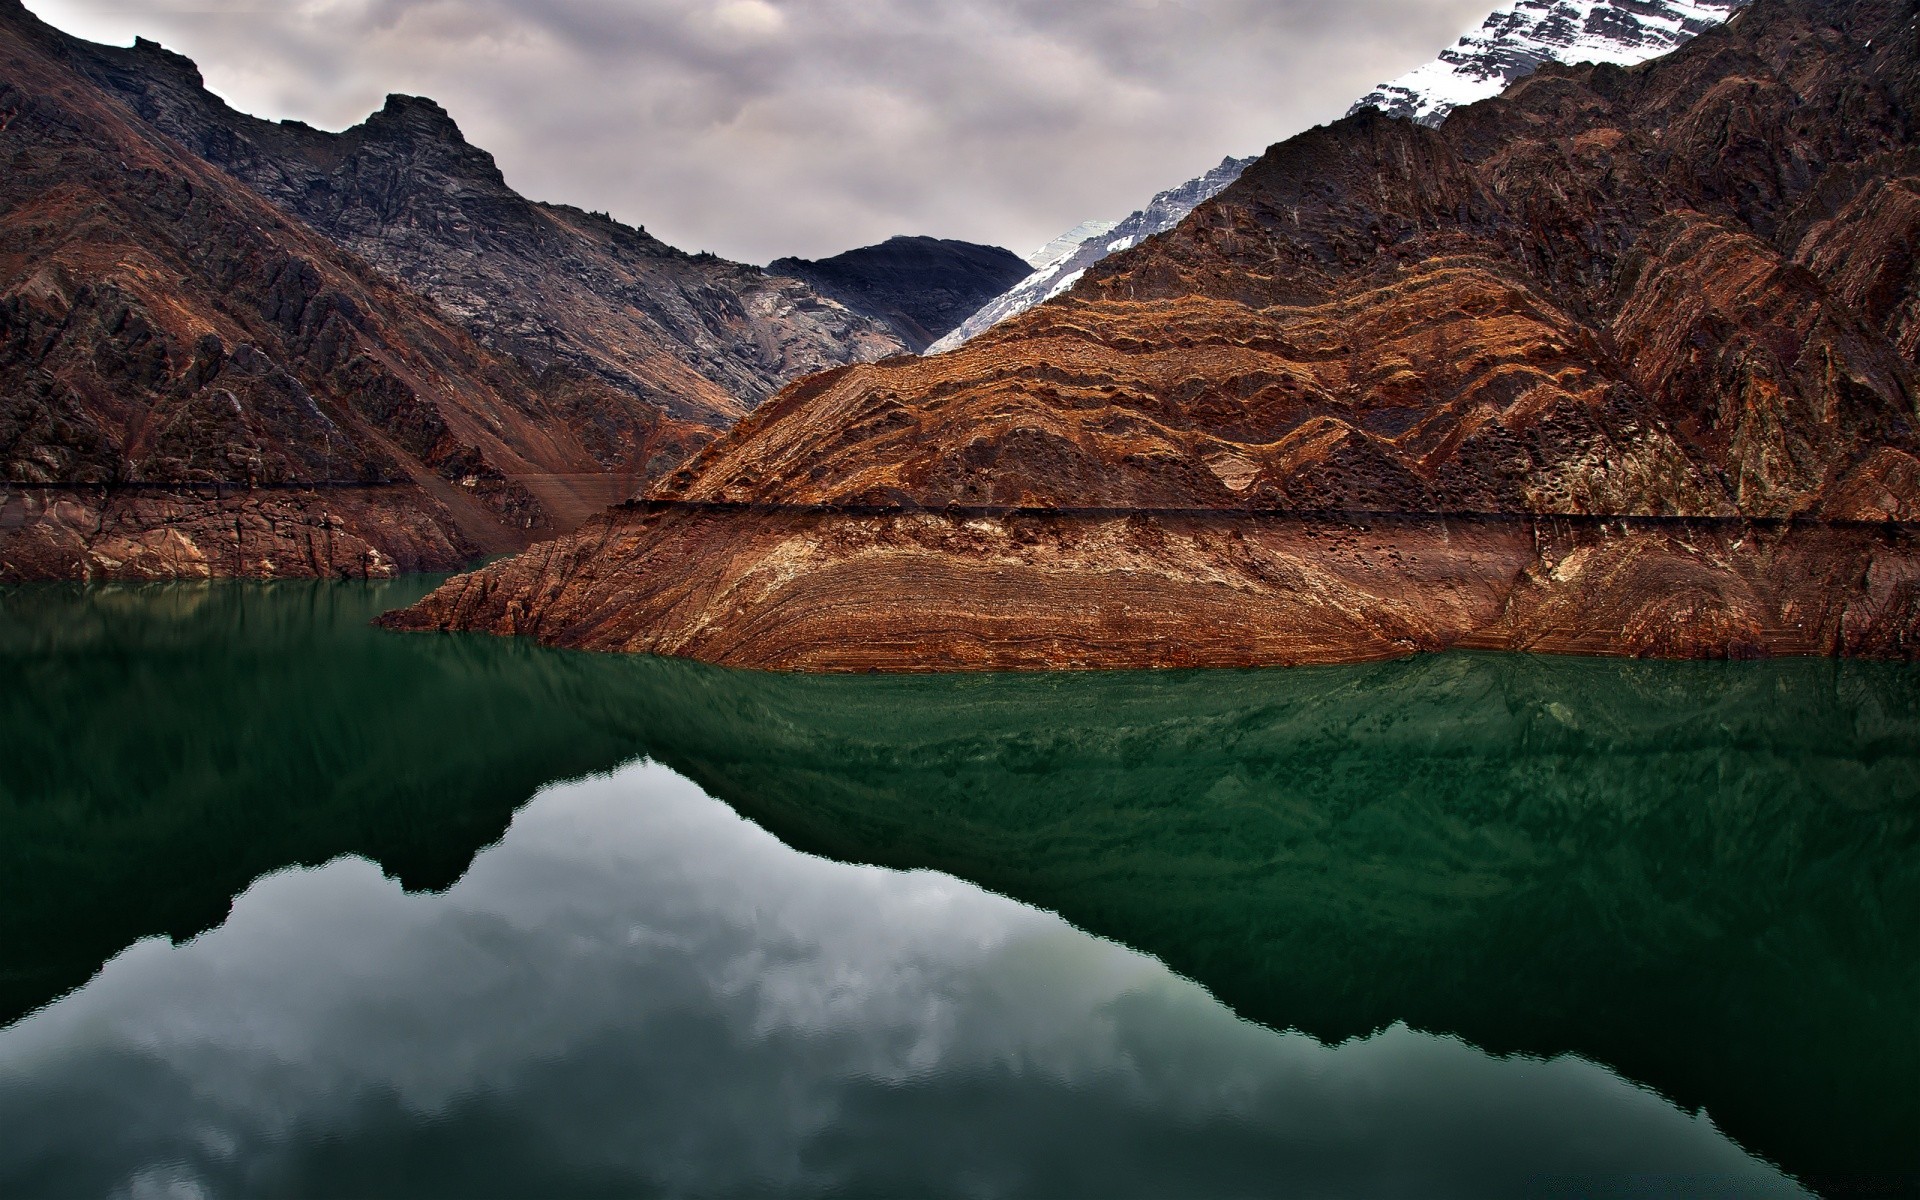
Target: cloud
x=757 y=128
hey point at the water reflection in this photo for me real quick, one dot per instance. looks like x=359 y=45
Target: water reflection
x=638 y=991
x=1702 y=875
x=1706 y=875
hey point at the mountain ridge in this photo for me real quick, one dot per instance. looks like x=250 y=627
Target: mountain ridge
x=699 y=337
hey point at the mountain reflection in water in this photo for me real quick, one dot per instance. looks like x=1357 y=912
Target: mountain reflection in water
x=1700 y=874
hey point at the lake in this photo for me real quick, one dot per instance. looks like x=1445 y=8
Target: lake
x=293 y=906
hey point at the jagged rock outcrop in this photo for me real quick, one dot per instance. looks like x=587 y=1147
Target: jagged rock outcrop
x=919 y=287
x=193 y=382
x=695 y=336
x=1621 y=362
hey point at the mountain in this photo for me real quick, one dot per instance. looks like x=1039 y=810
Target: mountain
x=1517 y=39
x=1513 y=42
x=1620 y=362
x=694 y=335
x=919 y=287
x=193 y=382
x=1063 y=268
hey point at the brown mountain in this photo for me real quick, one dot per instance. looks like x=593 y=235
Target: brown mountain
x=191 y=382
x=920 y=287
x=234 y=347
x=700 y=337
x=1622 y=361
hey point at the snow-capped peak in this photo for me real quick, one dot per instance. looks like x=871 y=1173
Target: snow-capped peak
x=1516 y=38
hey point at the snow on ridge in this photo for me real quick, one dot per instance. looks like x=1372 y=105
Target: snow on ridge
x=1517 y=38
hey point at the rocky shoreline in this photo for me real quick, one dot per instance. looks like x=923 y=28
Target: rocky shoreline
x=835 y=592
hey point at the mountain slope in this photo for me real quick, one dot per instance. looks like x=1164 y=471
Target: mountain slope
x=698 y=337
x=1513 y=42
x=919 y=287
x=191 y=382
x=1621 y=362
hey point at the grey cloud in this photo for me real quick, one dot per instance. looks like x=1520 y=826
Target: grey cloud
x=757 y=128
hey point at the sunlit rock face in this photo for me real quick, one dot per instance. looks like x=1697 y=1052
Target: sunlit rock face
x=1621 y=362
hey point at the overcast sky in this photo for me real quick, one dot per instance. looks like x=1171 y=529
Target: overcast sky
x=756 y=128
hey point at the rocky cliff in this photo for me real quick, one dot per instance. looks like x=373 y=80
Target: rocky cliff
x=919 y=287
x=192 y=382
x=1620 y=362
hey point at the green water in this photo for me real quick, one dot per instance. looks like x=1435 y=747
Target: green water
x=1702 y=876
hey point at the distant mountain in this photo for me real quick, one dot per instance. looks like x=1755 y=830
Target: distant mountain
x=1516 y=39
x=701 y=338
x=919 y=287
x=1063 y=269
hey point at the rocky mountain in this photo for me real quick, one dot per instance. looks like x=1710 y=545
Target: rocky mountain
x=1517 y=39
x=1620 y=362
x=919 y=287
x=193 y=382
x=1063 y=267
x=694 y=335
x=1513 y=42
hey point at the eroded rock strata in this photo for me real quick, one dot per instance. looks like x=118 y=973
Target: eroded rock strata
x=1679 y=295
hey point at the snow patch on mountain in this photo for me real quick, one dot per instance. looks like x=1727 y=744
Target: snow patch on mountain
x=1515 y=39
x=1067 y=243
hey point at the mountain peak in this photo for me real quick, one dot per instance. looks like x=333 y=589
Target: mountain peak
x=156 y=55
x=416 y=114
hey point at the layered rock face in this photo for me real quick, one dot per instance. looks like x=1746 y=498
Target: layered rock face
x=192 y=382
x=919 y=287
x=1621 y=362
x=696 y=336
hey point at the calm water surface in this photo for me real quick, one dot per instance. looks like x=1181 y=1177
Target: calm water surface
x=295 y=907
